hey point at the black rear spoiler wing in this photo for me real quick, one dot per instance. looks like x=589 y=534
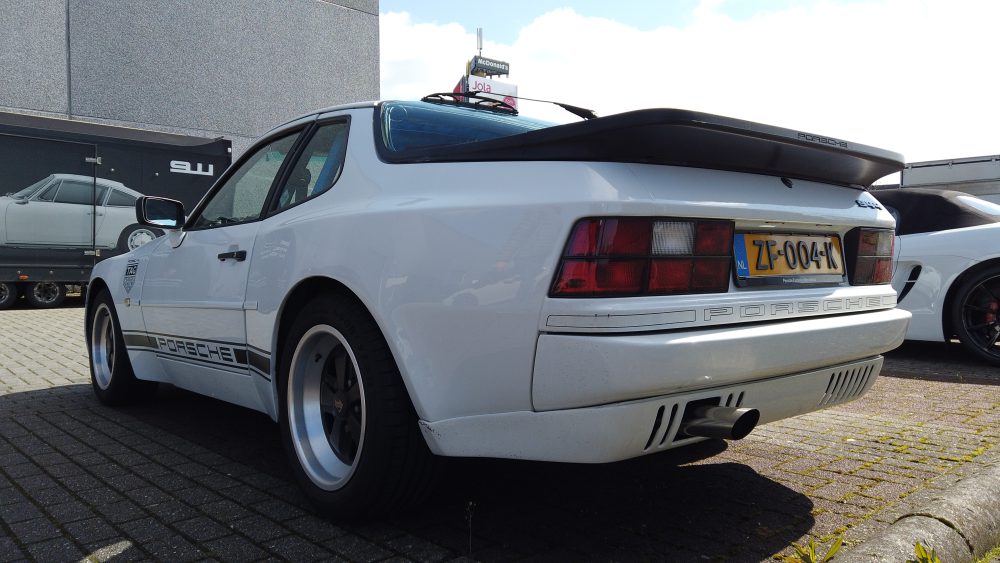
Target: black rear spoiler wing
x=680 y=138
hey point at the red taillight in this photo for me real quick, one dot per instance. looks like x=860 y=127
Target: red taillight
x=583 y=241
x=872 y=256
x=642 y=256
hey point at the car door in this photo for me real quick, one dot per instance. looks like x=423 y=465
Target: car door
x=60 y=215
x=194 y=289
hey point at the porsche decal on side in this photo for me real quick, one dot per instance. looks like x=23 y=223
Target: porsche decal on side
x=217 y=353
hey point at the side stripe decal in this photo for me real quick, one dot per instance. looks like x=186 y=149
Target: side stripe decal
x=213 y=352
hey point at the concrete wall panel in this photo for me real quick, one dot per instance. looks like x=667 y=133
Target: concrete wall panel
x=220 y=66
x=33 y=55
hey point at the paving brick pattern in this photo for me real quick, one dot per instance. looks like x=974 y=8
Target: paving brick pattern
x=189 y=478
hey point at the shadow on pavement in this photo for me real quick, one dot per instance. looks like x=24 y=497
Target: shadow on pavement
x=948 y=362
x=671 y=505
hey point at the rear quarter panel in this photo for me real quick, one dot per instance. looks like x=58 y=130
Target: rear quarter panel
x=943 y=256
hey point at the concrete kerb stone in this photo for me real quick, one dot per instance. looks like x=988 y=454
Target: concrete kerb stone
x=961 y=523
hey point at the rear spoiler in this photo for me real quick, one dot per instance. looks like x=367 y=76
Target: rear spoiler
x=679 y=138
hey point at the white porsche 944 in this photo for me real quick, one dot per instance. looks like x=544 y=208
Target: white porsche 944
x=396 y=281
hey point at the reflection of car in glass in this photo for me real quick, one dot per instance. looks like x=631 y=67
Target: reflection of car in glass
x=948 y=266
x=60 y=211
x=463 y=281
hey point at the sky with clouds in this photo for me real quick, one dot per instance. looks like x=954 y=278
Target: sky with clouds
x=919 y=77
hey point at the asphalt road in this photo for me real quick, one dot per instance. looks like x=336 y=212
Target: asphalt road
x=188 y=478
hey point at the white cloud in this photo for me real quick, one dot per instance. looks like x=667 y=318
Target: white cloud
x=914 y=77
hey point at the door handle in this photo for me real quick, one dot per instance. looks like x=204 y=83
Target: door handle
x=238 y=255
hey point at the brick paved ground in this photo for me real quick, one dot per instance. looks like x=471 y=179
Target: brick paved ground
x=187 y=478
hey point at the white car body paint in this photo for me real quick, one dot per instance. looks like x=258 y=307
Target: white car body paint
x=457 y=278
x=34 y=222
x=942 y=256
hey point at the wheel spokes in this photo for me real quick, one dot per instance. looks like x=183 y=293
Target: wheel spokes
x=981 y=316
x=340 y=403
x=988 y=291
x=340 y=369
x=110 y=336
x=993 y=340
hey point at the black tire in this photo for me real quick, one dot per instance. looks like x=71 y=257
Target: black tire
x=128 y=232
x=8 y=294
x=363 y=456
x=111 y=374
x=975 y=315
x=45 y=295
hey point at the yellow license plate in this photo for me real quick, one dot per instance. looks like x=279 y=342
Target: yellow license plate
x=771 y=254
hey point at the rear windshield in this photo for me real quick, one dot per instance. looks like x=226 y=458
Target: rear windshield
x=414 y=125
x=981 y=205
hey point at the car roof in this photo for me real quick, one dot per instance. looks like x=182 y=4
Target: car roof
x=926 y=210
x=314 y=113
x=104 y=181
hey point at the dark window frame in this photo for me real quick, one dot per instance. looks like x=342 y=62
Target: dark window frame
x=301 y=130
x=275 y=195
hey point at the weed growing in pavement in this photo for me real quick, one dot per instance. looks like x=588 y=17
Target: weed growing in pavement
x=808 y=553
x=923 y=556
x=993 y=555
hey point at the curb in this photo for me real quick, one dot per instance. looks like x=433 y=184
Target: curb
x=961 y=523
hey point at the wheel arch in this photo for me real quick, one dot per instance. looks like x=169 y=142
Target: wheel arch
x=93 y=288
x=950 y=296
x=297 y=299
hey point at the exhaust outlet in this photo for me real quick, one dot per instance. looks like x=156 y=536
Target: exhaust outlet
x=720 y=422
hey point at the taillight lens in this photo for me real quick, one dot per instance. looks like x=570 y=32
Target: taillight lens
x=872 y=256
x=642 y=256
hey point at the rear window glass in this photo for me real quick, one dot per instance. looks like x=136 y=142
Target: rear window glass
x=414 y=125
x=121 y=199
x=981 y=205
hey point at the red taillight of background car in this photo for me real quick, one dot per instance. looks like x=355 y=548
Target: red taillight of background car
x=872 y=256
x=628 y=256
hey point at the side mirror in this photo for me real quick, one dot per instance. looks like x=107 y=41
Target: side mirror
x=159 y=212
x=21 y=201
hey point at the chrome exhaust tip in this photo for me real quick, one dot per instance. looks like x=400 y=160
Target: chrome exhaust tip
x=728 y=423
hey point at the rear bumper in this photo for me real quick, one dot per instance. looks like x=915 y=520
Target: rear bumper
x=579 y=370
x=619 y=431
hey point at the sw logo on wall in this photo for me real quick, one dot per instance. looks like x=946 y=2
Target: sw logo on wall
x=197 y=168
x=130 y=271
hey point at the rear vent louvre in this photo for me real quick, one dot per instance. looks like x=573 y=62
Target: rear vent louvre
x=656 y=427
x=670 y=424
x=847 y=384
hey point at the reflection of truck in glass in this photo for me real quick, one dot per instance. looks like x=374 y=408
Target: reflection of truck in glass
x=68 y=191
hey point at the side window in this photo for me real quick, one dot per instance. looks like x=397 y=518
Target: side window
x=102 y=190
x=242 y=197
x=49 y=193
x=74 y=192
x=895 y=215
x=318 y=167
x=121 y=199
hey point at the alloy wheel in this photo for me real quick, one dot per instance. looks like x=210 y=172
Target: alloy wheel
x=326 y=407
x=981 y=316
x=102 y=346
x=138 y=238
